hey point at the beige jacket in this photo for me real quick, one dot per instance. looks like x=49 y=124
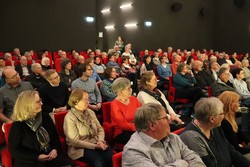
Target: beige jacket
x=82 y=131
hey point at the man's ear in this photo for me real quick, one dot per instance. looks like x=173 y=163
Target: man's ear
x=152 y=126
x=212 y=118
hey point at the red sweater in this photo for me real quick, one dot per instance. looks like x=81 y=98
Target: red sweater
x=122 y=116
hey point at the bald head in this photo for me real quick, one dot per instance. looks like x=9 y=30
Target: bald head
x=11 y=76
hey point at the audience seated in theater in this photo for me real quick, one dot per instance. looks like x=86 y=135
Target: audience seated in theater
x=231 y=79
x=98 y=52
x=45 y=63
x=17 y=53
x=176 y=61
x=36 y=77
x=104 y=55
x=164 y=72
x=245 y=56
x=222 y=84
x=114 y=64
x=205 y=136
x=213 y=58
x=2 y=68
x=99 y=67
x=62 y=54
x=94 y=75
x=184 y=82
x=212 y=72
x=221 y=59
x=153 y=145
x=234 y=57
x=67 y=75
x=9 y=93
x=150 y=94
x=106 y=85
x=229 y=125
x=89 y=84
x=128 y=53
x=24 y=69
x=84 y=134
x=91 y=54
x=33 y=139
x=156 y=59
x=147 y=64
x=8 y=57
x=245 y=67
x=202 y=80
x=204 y=59
x=189 y=61
x=239 y=84
x=28 y=55
x=130 y=71
x=54 y=93
x=226 y=56
x=123 y=109
x=80 y=60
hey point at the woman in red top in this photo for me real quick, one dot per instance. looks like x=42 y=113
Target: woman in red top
x=123 y=109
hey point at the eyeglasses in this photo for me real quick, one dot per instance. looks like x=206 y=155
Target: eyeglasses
x=56 y=77
x=14 y=76
x=167 y=117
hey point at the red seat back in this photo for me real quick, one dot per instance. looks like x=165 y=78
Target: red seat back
x=106 y=110
x=117 y=159
x=59 y=119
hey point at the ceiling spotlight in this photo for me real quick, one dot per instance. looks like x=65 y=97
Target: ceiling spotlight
x=109 y=27
x=130 y=25
x=105 y=10
x=126 y=6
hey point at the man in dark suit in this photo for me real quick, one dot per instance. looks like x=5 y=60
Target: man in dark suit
x=24 y=69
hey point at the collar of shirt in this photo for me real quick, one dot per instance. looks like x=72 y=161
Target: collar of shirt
x=151 y=142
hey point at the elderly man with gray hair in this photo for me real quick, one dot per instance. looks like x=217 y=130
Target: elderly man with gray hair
x=153 y=145
x=205 y=136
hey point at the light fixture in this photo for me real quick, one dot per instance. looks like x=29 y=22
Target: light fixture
x=126 y=6
x=148 y=23
x=131 y=25
x=109 y=27
x=89 y=19
x=105 y=10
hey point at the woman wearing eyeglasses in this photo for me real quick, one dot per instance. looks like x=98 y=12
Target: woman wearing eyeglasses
x=84 y=134
x=123 y=109
x=33 y=139
x=229 y=125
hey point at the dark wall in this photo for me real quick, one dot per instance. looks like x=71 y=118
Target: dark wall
x=46 y=24
x=183 y=29
x=232 y=27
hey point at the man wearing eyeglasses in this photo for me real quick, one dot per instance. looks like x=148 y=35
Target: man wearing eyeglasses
x=205 y=136
x=153 y=145
x=9 y=93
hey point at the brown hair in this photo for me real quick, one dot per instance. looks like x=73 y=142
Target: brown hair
x=229 y=99
x=146 y=77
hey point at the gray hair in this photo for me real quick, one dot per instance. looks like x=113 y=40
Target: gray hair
x=147 y=114
x=6 y=55
x=206 y=107
x=244 y=62
x=35 y=66
x=44 y=59
x=120 y=84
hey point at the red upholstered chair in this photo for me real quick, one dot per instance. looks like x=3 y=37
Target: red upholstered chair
x=57 y=65
x=209 y=91
x=107 y=126
x=178 y=131
x=106 y=109
x=117 y=159
x=5 y=154
x=59 y=119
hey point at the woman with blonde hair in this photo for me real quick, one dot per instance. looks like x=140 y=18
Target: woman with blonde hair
x=229 y=125
x=33 y=139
